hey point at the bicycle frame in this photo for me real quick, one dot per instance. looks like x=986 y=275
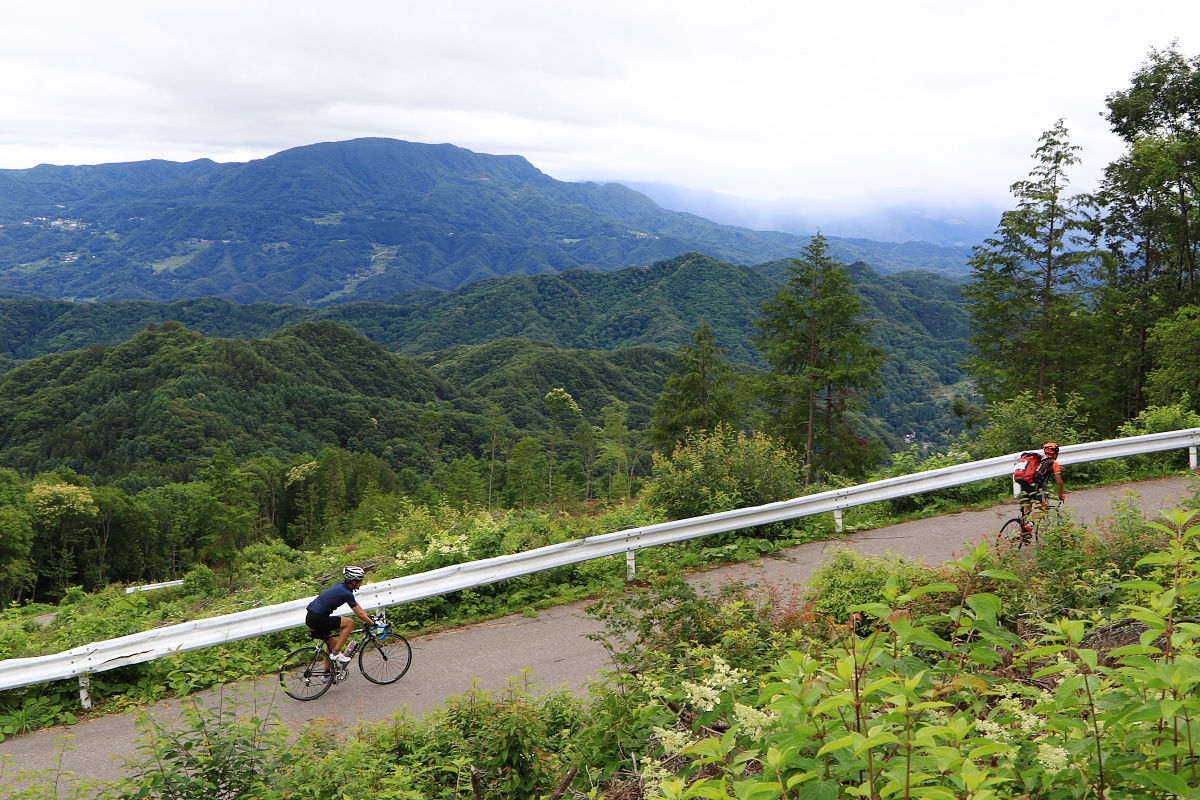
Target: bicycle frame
x=308 y=672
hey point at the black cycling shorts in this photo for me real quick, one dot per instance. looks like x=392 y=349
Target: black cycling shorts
x=319 y=623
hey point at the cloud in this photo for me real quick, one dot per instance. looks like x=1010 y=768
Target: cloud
x=756 y=98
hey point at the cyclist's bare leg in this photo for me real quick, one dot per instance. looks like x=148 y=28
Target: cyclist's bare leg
x=1043 y=504
x=343 y=634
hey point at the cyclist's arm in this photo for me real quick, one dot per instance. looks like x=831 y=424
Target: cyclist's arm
x=1058 y=480
x=363 y=616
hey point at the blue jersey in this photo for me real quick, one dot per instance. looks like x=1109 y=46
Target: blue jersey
x=328 y=600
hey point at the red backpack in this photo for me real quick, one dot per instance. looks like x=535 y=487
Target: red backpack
x=1027 y=467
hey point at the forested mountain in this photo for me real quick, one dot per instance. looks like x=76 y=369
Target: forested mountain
x=160 y=405
x=658 y=305
x=366 y=219
x=496 y=346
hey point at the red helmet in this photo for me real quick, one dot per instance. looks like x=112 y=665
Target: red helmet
x=1050 y=447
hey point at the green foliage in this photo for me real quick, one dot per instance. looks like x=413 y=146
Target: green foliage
x=701 y=394
x=913 y=461
x=200 y=582
x=850 y=580
x=941 y=704
x=1173 y=343
x=16 y=535
x=1027 y=422
x=1023 y=290
x=720 y=470
x=227 y=751
x=1160 y=419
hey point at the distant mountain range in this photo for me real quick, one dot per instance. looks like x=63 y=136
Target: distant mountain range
x=949 y=224
x=365 y=220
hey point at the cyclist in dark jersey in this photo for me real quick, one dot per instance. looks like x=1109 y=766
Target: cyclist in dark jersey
x=320 y=618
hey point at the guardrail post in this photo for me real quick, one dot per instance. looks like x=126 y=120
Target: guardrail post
x=837 y=520
x=1192 y=457
x=85 y=700
x=630 y=565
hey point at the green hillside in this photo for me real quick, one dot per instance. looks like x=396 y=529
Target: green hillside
x=920 y=322
x=339 y=222
x=158 y=406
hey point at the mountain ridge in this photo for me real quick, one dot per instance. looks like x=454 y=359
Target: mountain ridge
x=920 y=317
x=336 y=222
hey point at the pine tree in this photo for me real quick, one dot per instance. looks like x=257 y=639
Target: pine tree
x=1024 y=279
x=816 y=342
x=700 y=395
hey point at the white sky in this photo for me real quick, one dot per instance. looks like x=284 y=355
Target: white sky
x=862 y=98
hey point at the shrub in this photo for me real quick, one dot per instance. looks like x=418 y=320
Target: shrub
x=721 y=470
x=1159 y=419
x=200 y=582
x=851 y=579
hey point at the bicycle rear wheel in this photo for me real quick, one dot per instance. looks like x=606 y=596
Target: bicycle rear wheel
x=386 y=659
x=306 y=674
x=1013 y=532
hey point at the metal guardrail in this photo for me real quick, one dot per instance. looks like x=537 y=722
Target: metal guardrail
x=151 y=586
x=160 y=642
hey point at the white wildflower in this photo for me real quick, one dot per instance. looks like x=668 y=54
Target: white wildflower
x=651 y=686
x=1053 y=759
x=653 y=773
x=723 y=676
x=992 y=730
x=672 y=741
x=753 y=721
x=407 y=558
x=1029 y=722
x=937 y=716
x=701 y=696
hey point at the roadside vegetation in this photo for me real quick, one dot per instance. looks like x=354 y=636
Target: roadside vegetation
x=1069 y=670
x=393 y=537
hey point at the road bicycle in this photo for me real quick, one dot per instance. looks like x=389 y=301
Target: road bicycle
x=383 y=657
x=1044 y=515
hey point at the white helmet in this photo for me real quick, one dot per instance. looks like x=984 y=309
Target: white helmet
x=354 y=573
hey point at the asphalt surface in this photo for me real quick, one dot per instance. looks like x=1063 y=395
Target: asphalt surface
x=549 y=651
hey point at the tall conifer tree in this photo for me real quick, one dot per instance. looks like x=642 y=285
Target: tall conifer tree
x=1023 y=292
x=700 y=395
x=816 y=342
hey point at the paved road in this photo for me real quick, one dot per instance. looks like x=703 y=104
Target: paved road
x=550 y=650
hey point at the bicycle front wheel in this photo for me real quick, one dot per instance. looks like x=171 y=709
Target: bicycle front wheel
x=1014 y=532
x=306 y=674
x=386 y=659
